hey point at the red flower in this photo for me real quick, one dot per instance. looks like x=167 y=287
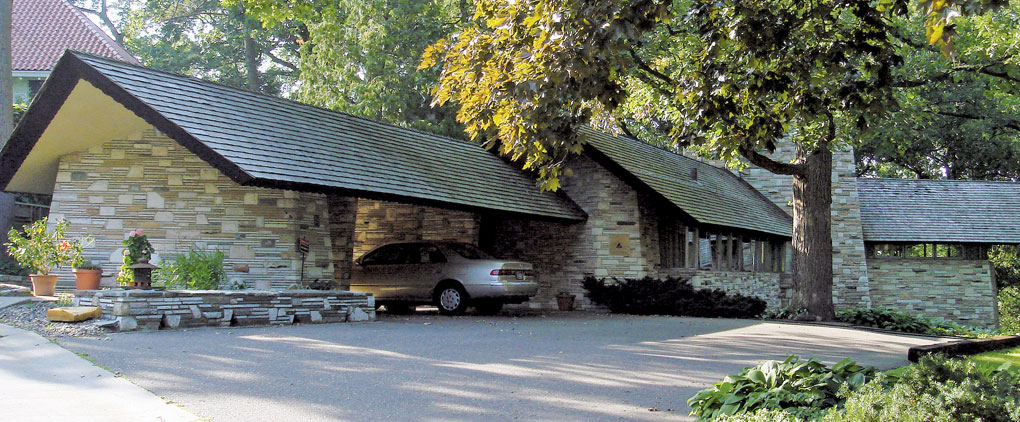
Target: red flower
x=65 y=244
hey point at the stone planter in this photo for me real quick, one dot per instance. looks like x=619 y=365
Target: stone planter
x=565 y=301
x=44 y=285
x=87 y=279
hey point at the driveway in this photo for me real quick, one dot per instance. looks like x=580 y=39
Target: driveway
x=556 y=367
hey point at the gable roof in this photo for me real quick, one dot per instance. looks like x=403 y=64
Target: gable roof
x=42 y=29
x=717 y=197
x=261 y=140
x=956 y=211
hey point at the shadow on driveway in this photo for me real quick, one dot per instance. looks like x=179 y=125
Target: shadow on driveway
x=556 y=367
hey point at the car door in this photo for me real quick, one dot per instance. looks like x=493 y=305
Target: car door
x=379 y=272
x=424 y=270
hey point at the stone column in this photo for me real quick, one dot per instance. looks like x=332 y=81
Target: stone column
x=343 y=212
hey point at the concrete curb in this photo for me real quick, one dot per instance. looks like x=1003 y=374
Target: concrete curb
x=964 y=347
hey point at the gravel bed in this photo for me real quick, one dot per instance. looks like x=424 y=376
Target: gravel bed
x=32 y=316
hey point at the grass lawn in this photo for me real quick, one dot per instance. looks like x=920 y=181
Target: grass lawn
x=986 y=361
x=992 y=360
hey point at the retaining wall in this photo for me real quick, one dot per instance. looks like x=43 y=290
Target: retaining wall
x=155 y=309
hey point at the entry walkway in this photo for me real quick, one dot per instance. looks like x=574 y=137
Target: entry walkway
x=41 y=381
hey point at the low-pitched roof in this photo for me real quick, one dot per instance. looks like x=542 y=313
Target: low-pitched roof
x=717 y=197
x=261 y=140
x=42 y=29
x=951 y=211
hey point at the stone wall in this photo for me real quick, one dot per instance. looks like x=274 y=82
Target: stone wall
x=957 y=290
x=564 y=254
x=851 y=285
x=153 y=183
x=381 y=222
x=153 y=309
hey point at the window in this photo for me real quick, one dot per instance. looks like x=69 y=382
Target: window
x=683 y=246
x=386 y=255
x=468 y=251
x=33 y=87
x=672 y=244
x=426 y=253
x=926 y=250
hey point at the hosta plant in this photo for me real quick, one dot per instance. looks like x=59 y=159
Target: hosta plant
x=804 y=388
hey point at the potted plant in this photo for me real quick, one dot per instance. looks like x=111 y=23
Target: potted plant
x=565 y=301
x=136 y=249
x=87 y=275
x=41 y=250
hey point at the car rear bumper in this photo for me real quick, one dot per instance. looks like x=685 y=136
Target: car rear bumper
x=513 y=291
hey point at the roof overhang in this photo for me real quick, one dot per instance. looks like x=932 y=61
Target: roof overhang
x=61 y=120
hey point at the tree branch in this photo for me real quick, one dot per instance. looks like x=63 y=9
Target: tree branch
x=769 y=164
x=280 y=61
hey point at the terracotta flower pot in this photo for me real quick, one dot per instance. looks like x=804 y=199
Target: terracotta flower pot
x=87 y=279
x=565 y=302
x=43 y=285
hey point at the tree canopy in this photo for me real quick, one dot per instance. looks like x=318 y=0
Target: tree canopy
x=729 y=77
x=361 y=57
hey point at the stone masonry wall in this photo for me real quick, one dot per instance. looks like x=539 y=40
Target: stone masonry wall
x=851 y=284
x=381 y=222
x=153 y=309
x=565 y=253
x=956 y=290
x=152 y=183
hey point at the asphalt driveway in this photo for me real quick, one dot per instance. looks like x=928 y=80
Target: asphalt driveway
x=557 y=367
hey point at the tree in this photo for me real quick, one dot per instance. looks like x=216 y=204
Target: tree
x=203 y=38
x=733 y=78
x=361 y=57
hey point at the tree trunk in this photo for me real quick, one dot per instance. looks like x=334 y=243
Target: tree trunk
x=251 y=64
x=812 y=236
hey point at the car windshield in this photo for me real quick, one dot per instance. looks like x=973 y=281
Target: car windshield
x=468 y=251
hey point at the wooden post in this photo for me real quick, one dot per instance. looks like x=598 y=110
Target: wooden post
x=729 y=252
x=697 y=249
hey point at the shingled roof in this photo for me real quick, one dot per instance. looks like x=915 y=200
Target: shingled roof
x=951 y=211
x=717 y=197
x=261 y=140
x=42 y=29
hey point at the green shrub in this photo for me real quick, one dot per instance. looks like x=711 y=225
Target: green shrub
x=672 y=296
x=802 y=388
x=891 y=319
x=936 y=389
x=196 y=270
x=1009 y=310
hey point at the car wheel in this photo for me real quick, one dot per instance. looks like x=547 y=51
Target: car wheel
x=451 y=299
x=489 y=308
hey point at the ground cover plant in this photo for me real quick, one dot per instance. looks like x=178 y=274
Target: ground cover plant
x=894 y=320
x=671 y=296
x=802 y=388
x=195 y=270
x=936 y=389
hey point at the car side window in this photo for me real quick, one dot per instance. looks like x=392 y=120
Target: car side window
x=386 y=255
x=428 y=254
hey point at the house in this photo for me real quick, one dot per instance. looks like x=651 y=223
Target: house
x=40 y=32
x=122 y=147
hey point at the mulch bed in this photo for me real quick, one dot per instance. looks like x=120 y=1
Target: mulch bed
x=32 y=316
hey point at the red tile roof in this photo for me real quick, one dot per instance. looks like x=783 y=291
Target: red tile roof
x=42 y=29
